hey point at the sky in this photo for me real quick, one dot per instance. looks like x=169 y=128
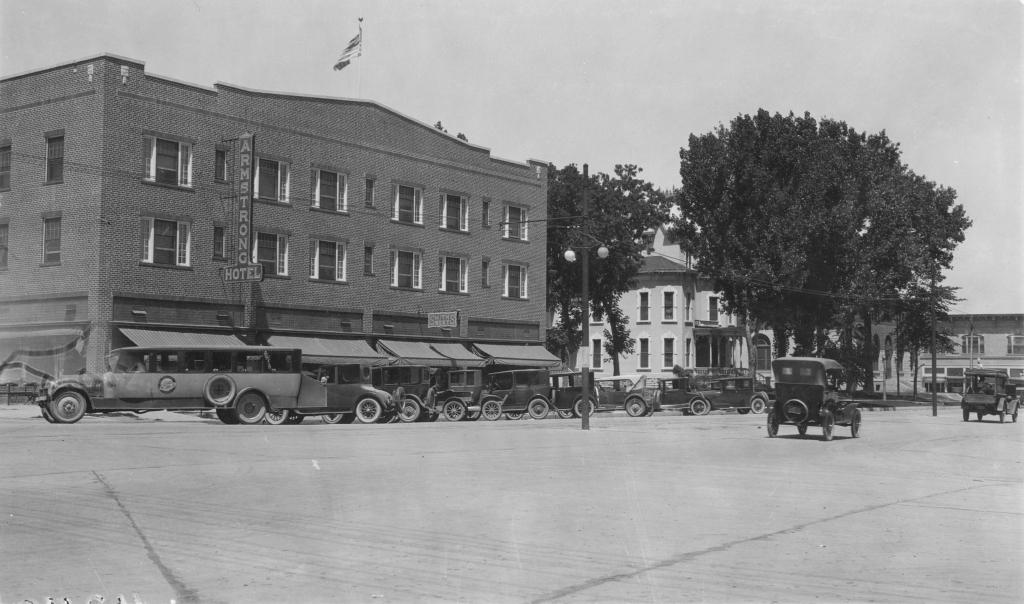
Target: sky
x=607 y=82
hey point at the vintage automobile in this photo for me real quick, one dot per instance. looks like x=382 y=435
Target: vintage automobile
x=567 y=394
x=408 y=385
x=521 y=391
x=672 y=393
x=464 y=396
x=625 y=392
x=347 y=395
x=739 y=393
x=989 y=392
x=807 y=393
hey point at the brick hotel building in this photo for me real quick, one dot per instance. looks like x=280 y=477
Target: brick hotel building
x=118 y=212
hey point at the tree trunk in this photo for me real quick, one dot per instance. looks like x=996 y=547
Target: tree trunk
x=870 y=354
x=780 y=336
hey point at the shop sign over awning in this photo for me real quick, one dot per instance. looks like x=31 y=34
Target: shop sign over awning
x=518 y=355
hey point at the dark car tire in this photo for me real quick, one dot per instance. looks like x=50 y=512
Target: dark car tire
x=828 y=424
x=219 y=390
x=773 y=424
x=227 y=416
x=699 y=406
x=332 y=418
x=250 y=408
x=276 y=418
x=295 y=418
x=967 y=415
x=980 y=415
x=802 y=429
x=490 y=409
x=855 y=424
x=368 y=410
x=1002 y=416
x=513 y=415
x=565 y=413
x=454 y=410
x=743 y=411
x=409 y=411
x=68 y=407
x=577 y=407
x=636 y=407
x=46 y=414
x=538 y=408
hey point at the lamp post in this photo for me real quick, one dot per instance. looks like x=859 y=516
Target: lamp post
x=586 y=384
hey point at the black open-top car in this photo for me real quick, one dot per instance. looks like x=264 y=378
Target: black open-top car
x=807 y=393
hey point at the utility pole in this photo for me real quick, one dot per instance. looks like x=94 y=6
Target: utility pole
x=935 y=395
x=585 y=376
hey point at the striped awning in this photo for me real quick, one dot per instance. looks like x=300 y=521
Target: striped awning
x=459 y=355
x=158 y=338
x=413 y=353
x=328 y=350
x=518 y=355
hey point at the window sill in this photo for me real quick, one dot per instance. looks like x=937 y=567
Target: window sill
x=173 y=267
x=320 y=210
x=53 y=182
x=643 y=322
x=644 y=369
x=515 y=299
x=4 y=189
x=406 y=289
x=267 y=275
x=403 y=223
x=328 y=281
x=57 y=263
x=672 y=321
x=448 y=293
x=453 y=231
x=219 y=259
x=165 y=185
x=515 y=240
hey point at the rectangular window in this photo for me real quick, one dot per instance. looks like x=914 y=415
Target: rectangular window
x=220 y=165
x=645 y=353
x=166 y=242
x=595 y=353
x=485 y=270
x=272 y=252
x=406 y=270
x=272 y=180
x=168 y=162
x=51 y=241
x=454 y=274
x=4 y=230
x=972 y=344
x=368 y=260
x=330 y=191
x=408 y=205
x=485 y=211
x=515 y=223
x=713 y=309
x=370 y=184
x=668 y=353
x=454 y=213
x=219 y=251
x=669 y=306
x=645 y=308
x=55 y=159
x=327 y=261
x=515 y=281
x=689 y=307
x=5 y=168
x=1014 y=344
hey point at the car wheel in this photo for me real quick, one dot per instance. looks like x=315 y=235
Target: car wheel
x=333 y=418
x=513 y=414
x=490 y=409
x=699 y=406
x=855 y=424
x=368 y=410
x=773 y=424
x=980 y=415
x=295 y=418
x=636 y=407
x=219 y=390
x=577 y=407
x=967 y=415
x=802 y=429
x=68 y=407
x=454 y=410
x=276 y=418
x=409 y=411
x=565 y=413
x=227 y=416
x=538 y=408
x=757 y=405
x=251 y=408
x=743 y=411
x=827 y=426
x=46 y=414
x=1002 y=416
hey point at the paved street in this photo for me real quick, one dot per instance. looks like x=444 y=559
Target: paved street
x=665 y=509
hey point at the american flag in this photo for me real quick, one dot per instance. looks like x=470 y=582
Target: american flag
x=354 y=49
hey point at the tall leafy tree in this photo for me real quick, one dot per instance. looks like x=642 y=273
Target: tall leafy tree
x=807 y=225
x=621 y=207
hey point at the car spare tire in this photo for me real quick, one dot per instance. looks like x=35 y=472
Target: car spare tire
x=219 y=390
x=795 y=411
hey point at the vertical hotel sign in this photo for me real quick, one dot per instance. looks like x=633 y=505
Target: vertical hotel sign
x=244 y=268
